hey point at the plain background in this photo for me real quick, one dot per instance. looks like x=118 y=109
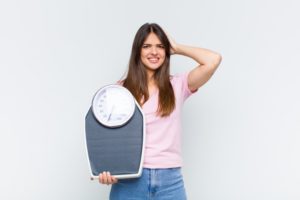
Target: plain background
x=241 y=131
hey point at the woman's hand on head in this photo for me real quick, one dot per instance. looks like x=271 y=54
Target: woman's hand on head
x=107 y=178
x=173 y=49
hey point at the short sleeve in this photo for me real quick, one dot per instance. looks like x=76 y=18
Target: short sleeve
x=180 y=85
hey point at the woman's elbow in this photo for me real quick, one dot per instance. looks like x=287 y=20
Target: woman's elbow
x=216 y=61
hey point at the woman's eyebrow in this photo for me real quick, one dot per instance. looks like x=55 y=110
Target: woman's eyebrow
x=153 y=44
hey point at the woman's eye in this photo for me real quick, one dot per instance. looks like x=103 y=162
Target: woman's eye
x=161 y=46
x=146 y=46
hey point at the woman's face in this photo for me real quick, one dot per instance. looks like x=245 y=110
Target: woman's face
x=153 y=53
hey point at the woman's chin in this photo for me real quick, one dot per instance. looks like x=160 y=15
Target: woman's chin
x=153 y=66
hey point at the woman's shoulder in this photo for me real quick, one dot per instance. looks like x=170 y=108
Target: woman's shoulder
x=180 y=82
x=179 y=77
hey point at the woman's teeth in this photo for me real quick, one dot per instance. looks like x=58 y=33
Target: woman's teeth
x=153 y=60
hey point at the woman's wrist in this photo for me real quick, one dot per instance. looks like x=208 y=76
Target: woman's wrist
x=179 y=49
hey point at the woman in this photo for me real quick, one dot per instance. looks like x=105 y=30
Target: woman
x=161 y=97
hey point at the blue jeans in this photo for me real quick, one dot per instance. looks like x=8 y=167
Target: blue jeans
x=154 y=184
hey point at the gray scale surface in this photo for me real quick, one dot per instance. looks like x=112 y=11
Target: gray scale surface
x=117 y=150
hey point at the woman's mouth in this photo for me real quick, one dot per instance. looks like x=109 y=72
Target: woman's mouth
x=153 y=60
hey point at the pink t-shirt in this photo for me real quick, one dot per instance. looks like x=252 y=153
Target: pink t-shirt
x=163 y=134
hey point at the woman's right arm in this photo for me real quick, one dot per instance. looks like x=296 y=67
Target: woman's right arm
x=208 y=63
x=107 y=178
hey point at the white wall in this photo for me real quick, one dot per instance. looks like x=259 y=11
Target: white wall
x=241 y=131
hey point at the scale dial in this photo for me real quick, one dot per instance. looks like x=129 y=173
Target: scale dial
x=113 y=105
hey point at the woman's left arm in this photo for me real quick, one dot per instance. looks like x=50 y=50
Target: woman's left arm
x=207 y=59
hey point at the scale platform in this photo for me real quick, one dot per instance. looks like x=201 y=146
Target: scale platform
x=118 y=150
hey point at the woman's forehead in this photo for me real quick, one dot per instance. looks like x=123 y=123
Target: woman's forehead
x=152 y=38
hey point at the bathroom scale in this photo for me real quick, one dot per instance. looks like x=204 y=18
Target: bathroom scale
x=115 y=133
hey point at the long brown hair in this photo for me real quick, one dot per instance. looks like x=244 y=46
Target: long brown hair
x=137 y=80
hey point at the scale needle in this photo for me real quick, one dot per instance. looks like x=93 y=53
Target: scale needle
x=110 y=112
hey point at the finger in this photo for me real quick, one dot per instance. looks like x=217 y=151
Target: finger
x=104 y=177
x=101 y=178
x=109 y=178
x=115 y=180
x=172 y=43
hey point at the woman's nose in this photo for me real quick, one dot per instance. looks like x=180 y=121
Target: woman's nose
x=154 y=50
